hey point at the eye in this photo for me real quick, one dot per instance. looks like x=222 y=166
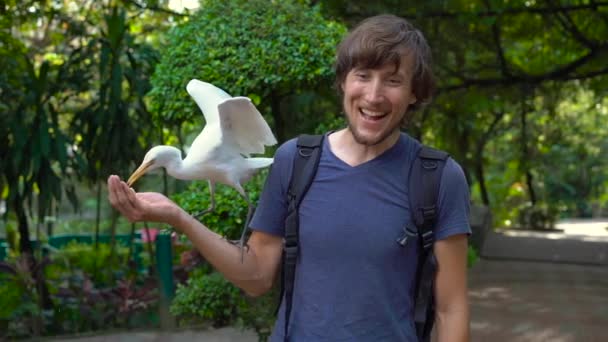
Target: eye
x=394 y=81
x=361 y=75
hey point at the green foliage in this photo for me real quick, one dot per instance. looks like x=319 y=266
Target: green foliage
x=230 y=212
x=472 y=256
x=71 y=72
x=336 y=123
x=12 y=297
x=251 y=48
x=540 y=216
x=89 y=290
x=209 y=296
x=119 y=116
x=259 y=314
x=101 y=265
x=85 y=226
x=20 y=310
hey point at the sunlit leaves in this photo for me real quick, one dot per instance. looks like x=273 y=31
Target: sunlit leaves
x=246 y=47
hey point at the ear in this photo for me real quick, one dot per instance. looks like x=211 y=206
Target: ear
x=413 y=99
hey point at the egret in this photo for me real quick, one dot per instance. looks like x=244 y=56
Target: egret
x=234 y=130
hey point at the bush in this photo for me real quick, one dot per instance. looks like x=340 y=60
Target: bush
x=21 y=314
x=472 y=256
x=209 y=296
x=539 y=216
x=100 y=265
x=246 y=47
x=259 y=313
x=228 y=218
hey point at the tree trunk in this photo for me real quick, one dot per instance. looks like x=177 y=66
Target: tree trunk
x=162 y=142
x=97 y=214
x=54 y=212
x=113 y=235
x=478 y=159
x=529 y=182
x=525 y=153
x=25 y=245
x=279 y=122
x=479 y=173
x=27 y=250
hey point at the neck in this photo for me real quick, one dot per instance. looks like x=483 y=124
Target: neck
x=175 y=165
x=345 y=147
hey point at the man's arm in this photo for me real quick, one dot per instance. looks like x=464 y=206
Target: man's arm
x=254 y=274
x=452 y=316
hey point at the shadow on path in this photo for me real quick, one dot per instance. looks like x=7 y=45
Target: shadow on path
x=531 y=301
x=532 y=286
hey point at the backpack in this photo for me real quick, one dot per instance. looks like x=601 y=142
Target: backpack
x=424 y=181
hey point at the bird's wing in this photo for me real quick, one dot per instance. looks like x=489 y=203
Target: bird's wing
x=243 y=125
x=207 y=97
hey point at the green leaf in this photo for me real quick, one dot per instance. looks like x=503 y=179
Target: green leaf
x=44 y=139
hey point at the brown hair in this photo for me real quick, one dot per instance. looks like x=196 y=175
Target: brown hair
x=385 y=39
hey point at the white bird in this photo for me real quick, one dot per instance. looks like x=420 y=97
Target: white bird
x=234 y=129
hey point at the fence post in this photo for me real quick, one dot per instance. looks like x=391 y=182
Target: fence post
x=164 y=266
x=3 y=250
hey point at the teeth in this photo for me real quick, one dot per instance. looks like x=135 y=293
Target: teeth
x=371 y=113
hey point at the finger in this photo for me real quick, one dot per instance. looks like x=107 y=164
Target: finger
x=131 y=196
x=112 y=190
x=138 y=206
x=124 y=204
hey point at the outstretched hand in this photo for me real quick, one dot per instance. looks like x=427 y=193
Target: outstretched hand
x=140 y=206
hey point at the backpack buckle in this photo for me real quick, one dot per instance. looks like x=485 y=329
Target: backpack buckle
x=409 y=234
x=428 y=213
x=428 y=238
x=305 y=152
x=291 y=201
x=291 y=254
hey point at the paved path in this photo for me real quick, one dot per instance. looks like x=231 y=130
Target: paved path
x=228 y=334
x=582 y=242
x=528 y=287
x=535 y=286
x=532 y=301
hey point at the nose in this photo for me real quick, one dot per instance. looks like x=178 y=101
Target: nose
x=374 y=92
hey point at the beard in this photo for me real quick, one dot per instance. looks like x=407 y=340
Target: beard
x=372 y=141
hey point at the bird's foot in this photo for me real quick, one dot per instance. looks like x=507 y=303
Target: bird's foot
x=199 y=214
x=243 y=246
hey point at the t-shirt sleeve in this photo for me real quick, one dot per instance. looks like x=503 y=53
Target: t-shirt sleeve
x=271 y=210
x=454 y=202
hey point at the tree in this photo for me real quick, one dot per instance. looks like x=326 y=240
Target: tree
x=36 y=151
x=116 y=124
x=267 y=51
x=49 y=58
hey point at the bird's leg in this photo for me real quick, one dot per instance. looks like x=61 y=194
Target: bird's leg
x=250 y=210
x=200 y=214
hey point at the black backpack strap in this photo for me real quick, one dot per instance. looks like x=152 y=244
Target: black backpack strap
x=305 y=166
x=424 y=182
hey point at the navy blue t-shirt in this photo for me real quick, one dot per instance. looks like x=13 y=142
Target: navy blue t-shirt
x=353 y=281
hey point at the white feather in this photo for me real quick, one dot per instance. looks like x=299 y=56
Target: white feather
x=234 y=129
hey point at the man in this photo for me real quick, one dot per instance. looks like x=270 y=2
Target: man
x=353 y=281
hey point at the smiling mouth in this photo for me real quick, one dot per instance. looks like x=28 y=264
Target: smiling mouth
x=371 y=115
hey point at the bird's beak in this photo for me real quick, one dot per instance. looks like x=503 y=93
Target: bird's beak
x=141 y=170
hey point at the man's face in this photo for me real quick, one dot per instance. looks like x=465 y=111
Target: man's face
x=376 y=100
